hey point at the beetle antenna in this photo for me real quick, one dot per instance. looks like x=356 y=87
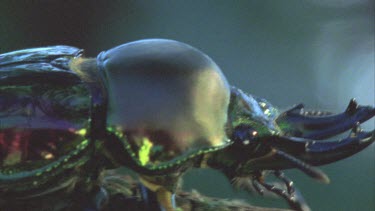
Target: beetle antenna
x=305 y=167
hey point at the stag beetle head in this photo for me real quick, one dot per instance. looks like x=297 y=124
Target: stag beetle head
x=251 y=120
x=264 y=139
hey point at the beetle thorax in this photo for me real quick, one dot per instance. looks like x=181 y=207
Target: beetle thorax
x=168 y=92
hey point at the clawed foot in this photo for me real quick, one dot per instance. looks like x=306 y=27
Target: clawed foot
x=290 y=193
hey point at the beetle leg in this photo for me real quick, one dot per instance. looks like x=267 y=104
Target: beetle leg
x=166 y=199
x=291 y=195
x=288 y=183
x=101 y=198
x=149 y=198
x=259 y=189
x=156 y=196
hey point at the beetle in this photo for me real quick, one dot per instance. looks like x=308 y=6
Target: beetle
x=159 y=107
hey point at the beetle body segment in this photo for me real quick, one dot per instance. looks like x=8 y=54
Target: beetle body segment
x=169 y=92
x=40 y=119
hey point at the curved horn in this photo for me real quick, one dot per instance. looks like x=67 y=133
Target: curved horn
x=317 y=125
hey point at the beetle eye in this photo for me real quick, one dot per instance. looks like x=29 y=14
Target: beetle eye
x=254 y=133
x=244 y=134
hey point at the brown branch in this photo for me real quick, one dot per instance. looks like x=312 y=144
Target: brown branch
x=123 y=194
x=124 y=190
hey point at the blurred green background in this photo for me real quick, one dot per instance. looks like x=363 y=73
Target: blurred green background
x=317 y=52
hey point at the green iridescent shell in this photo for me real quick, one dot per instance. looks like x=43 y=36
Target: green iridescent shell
x=43 y=119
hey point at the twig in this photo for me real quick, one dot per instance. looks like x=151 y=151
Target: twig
x=125 y=195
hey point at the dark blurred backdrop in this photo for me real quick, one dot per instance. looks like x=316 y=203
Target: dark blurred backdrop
x=313 y=51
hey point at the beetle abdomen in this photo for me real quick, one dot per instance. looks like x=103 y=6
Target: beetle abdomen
x=44 y=110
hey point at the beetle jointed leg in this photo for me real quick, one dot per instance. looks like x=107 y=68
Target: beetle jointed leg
x=158 y=196
x=291 y=194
